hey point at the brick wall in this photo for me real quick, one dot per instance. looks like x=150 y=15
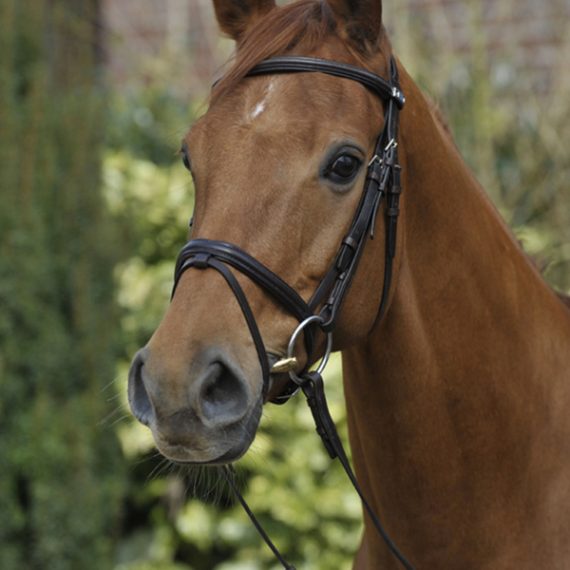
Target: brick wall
x=530 y=34
x=181 y=35
x=173 y=39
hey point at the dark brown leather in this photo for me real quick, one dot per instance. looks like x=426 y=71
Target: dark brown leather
x=382 y=182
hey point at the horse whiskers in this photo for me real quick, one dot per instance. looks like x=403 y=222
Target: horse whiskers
x=113 y=398
x=110 y=419
x=120 y=419
x=110 y=384
x=159 y=469
x=204 y=480
x=146 y=458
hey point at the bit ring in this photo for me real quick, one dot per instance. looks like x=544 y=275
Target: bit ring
x=293 y=341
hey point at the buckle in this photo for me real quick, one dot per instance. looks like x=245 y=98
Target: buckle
x=392 y=144
x=375 y=160
x=398 y=97
x=200 y=260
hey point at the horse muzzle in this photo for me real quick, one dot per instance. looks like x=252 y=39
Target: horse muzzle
x=209 y=416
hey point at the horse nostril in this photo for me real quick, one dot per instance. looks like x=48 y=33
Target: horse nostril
x=139 y=400
x=223 y=395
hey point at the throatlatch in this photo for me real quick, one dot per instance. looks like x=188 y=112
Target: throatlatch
x=382 y=181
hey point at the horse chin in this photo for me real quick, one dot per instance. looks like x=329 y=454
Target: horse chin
x=212 y=445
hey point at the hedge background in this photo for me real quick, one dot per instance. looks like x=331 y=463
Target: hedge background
x=63 y=478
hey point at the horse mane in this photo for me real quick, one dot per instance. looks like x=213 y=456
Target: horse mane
x=304 y=24
x=539 y=264
x=564 y=298
x=439 y=116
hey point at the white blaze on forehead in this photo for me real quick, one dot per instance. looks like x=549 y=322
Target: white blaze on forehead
x=261 y=105
x=259 y=108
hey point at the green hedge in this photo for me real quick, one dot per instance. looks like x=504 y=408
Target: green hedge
x=62 y=476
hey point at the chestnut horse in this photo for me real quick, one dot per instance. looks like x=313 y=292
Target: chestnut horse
x=458 y=395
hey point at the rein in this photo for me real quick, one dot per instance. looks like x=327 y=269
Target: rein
x=382 y=182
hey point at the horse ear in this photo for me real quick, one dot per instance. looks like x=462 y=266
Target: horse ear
x=361 y=19
x=235 y=16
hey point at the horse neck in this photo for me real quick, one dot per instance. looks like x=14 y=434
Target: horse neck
x=463 y=383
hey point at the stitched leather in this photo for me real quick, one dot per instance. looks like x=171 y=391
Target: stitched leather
x=293 y=64
x=245 y=263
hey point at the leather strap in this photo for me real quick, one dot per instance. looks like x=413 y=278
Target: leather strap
x=205 y=261
x=382 y=182
x=229 y=474
x=231 y=254
x=314 y=391
x=295 y=64
x=201 y=253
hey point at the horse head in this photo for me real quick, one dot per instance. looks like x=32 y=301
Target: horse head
x=279 y=162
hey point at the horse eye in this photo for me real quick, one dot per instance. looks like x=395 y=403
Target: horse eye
x=343 y=169
x=186 y=159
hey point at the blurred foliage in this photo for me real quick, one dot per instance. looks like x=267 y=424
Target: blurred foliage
x=62 y=475
x=147 y=122
x=151 y=205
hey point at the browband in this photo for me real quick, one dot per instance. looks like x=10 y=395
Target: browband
x=296 y=64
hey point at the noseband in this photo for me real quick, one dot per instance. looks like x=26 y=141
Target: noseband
x=322 y=309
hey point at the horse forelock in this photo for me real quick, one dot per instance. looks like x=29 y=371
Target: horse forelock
x=303 y=25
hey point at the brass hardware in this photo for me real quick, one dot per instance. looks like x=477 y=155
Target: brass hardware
x=284 y=365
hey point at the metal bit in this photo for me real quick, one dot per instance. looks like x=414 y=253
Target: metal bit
x=284 y=365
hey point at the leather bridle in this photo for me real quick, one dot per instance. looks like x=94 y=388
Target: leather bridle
x=382 y=183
